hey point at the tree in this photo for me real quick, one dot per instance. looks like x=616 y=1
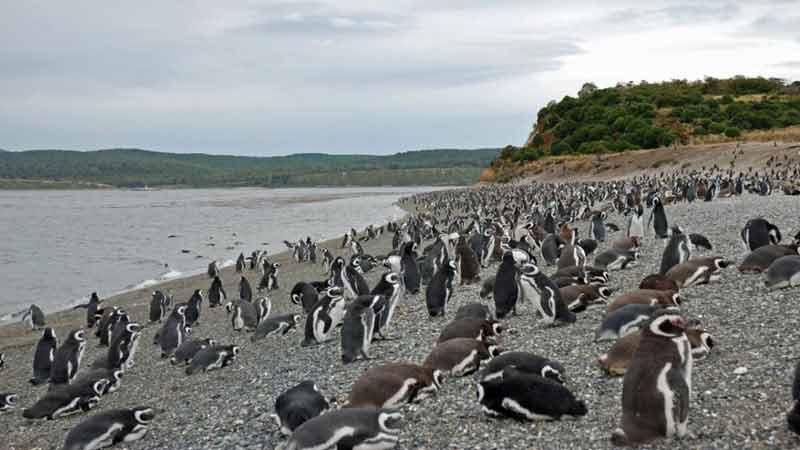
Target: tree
x=587 y=89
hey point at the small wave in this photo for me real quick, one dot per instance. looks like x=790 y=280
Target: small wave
x=170 y=275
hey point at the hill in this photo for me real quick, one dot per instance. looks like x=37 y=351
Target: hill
x=135 y=168
x=652 y=115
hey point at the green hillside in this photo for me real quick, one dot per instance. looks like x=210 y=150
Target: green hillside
x=134 y=167
x=651 y=115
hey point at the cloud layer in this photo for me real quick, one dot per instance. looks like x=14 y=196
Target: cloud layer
x=279 y=77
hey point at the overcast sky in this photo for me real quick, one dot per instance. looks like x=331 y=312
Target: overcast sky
x=280 y=77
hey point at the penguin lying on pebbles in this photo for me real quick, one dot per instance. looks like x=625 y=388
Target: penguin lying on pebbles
x=698 y=240
x=474 y=311
x=472 y=328
x=793 y=418
x=697 y=271
x=91 y=376
x=276 y=325
x=8 y=401
x=613 y=259
x=623 y=321
x=67 y=359
x=658 y=282
x=527 y=396
x=391 y=385
x=187 y=350
x=348 y=428
x=759 y=232
x=627 y=243
x=212 y=358
x=784 y=272
x=487 y=288
x=66 y=400
x=108 y=428
x=524 y=362
x=645 y=297
x=618 y=357
x=578 y=298
x=43 y=357
x=460 y=357
x=657 y=385
x=761 y=258
x=298 y=405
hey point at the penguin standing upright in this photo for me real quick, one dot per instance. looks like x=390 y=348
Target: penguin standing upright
x=391 y=288
x=468 y=264
x=305 y=295
x=244 y=315
x=92 y=310
x=506 y=291
x=194 y=307
x=635 y=226
x=759 y=232
x=410 y=268
x=298 y=405
x=677 y=251
x=357 y=327
x=44 y=356
x=245 y=291
x=659 y=219
x=240 y=263
x=213 y=269
x=173 y=333
x=658 y=383
x=108 y=427
x=158 y=306
x=440 y=289
x=216 y=293
x=35 y=316
x=597 y=227
x=67 y=359
x=324 y=317
x=545 y=294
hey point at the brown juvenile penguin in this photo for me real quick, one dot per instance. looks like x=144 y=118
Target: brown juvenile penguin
x=578 y=297
x=391 y=385
x=645 y=297
x=459 y=357
x=761 y=258
x=472 y=328
x=615 y=362
x=658 y=282
x=697 y=271
x=468 y=264
x=627 y=243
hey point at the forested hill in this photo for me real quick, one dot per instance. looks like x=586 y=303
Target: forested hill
x=651 y=115
x=134 y=168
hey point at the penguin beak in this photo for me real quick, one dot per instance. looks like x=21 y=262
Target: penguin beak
x=678 y=322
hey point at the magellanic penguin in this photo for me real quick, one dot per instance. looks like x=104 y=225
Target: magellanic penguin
x=108 y=428
x=244 y=315
x=158 y=306
x=760 y=259
x=93 y=312
x=698 y=240
x=487 y=288
x=524 y=362
x=358 y=326
x=390 y=287
x=551 y=249
x=650 y=297
x=35 y=316
x=122 y=348
x=793 y=418
x=659 y=219
x=8 y=401
x=245 y=290
x=281 y=324
x=615 y=362
x=440 y=289
x=527 y=396
x=571 y=255
x=348 y=428
x=67 y=400
x=579 y=297
x=298 y=405
x=240 y=263
x=305 y=295
x=597 y=226
x=658 y=282
x=759 y=232
x=410 y=268
x=627 y=243
x=212 y=358
x=213 y=269
x=697 y=271
x=44 y=356
x=174 y=331
x=635 y=224
x=216 y=293
x=784 y=272
x=468 y=264
x=545 y=295
x=460 y=356
x=92 y=375
x=391 y=385
x=187 y=350
x=624 y=321
x=486 y=331
x=67 y=359
x=326 y=315
x=678 y=250
x=658 y=383
x=506 y=291
x=474 y=311
x=613 y=259
x=194 y=307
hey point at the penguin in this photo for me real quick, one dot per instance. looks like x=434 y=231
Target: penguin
x=588 y=246
x=613 y=259
x=244 y=315
x=240 y=265
x=8 y=401
x=276 y=325
x=2 y=360
x=506 y=292
x=122 y=348
x=615 y=362
x=216 y=293
x=110 y=427
x=578 y=298
x=460 y=357
x=784 y=272
x=524 y=362
x=697 y=271
x=545 y=295
x=158 y=307
x=92 y=375
x=793 y=417
x=245 y=291
x=759 y=232
x=551 y=249
x=635 y=224
x=348 y=428
x=391 y=289
x=92 y=310
x=474 y=311
x=298 y=405
x=389 y=386
x=194 y=307
x=35 y=317
x=305 y=295
x=627 y=243
x=527 y=396
x=571 y=255
x=657 y=384
x=698 y=240
x=658 y=282
x=357 y=327
x=326 y=315
x=410 y=268
x=212 y=358
x=659 y=219
x=189 y=348
x=348 y=276
x=111 y=315
x=67 y=400
x=468 y=264
x=487 y=248
x=440 y=289
x=485 y=331
x=269 y=281
x=624 y=321
x=597 y=227
x=67 y=359
x=174 y=331
x=664 y=299
x=678 y=250
x=44 y=356
x=487 y=288
x=761 y=258
x=213 y=270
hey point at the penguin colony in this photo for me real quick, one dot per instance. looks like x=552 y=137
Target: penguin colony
x=553 y=277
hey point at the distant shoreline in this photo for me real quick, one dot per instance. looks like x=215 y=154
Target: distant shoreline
x=21 y=184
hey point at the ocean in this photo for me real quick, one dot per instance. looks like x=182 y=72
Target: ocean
x=59 y=246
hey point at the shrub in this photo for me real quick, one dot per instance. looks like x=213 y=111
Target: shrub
x=733 y=132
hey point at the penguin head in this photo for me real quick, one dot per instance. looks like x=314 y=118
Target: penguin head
x=48 y=333
x=494 y=350
x=604 y=292
x=389 y=422
x=392 y=278
x=721 y=263
x=133 y=328
x=187 y=330
x=10 y=400
x=100 y=386
x=554 y=371
x=78 y=335
x=229 y=307
x=235 y=350
x=296 y=319
x=529 y=270
x=180 y=310
x=667 y=322
x=143 y=415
